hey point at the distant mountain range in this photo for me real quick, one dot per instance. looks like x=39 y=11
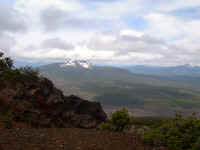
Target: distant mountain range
x=185 y=74
x=184 y=70
x=118 y=87
x=22 y=63
x=163 y=71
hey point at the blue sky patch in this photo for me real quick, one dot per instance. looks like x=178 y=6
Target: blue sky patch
x=136 y=22
x=187 y=13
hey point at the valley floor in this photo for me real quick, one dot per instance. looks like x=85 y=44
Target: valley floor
x=153 y=111
x=68 y=139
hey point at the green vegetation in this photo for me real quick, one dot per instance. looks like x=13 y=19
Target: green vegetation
x=5 y=62
x=29 y=71
x=177 y=133
x=13 y=75
x=149 y=122
x=134 y=95
x=120 y=121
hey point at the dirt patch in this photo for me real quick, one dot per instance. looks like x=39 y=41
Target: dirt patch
x=68 y=139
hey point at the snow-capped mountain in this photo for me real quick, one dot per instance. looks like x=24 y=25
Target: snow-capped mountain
x=77 y=63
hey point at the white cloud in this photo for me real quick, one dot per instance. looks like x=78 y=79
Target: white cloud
x=104 y=31
x=6 y=43
x=164 y=26
x=131 y=32
x=57 y=43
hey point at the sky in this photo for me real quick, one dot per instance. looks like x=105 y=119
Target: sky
x=112 y=32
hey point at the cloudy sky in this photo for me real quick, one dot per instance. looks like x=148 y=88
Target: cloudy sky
x=151 y=32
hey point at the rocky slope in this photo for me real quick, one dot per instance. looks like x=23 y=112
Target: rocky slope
x=35 y=101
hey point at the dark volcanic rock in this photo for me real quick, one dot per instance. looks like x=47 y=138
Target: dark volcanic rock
x=39 y=104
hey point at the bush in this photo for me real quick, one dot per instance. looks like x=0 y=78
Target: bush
x=140 y=122
x=176 y=134
x=5 y=62
x=120 y=121
x=13 y=76
x=196 y=145
x=29 y=71
x=106 y=126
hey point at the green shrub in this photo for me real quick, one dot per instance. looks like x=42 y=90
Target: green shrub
x=29 y=71
x=196 y=145
x=5 y=62
x=11 y=76
x=176 y=134
x=106 y=126
x=120 y=121
x=149 y=122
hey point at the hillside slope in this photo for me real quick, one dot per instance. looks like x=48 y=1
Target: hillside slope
x=183 y=70
x=118 y=87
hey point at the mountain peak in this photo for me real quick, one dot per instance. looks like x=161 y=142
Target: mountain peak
x=77 y=63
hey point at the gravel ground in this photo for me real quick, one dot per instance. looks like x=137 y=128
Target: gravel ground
x=67 y=139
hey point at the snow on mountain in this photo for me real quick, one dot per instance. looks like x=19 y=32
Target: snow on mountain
x=77 y=63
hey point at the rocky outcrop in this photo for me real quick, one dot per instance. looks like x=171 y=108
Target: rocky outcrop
x=38 y=103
